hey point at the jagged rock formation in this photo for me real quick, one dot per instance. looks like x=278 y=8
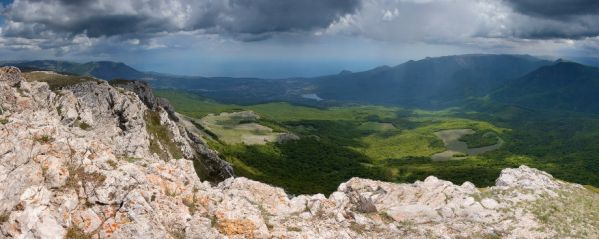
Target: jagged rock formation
x=212 y=166
x=144 y=92
x=90 y=161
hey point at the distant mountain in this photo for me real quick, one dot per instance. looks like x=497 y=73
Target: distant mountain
x=591 y=61
x=227 y=89
x=112 y=70
x=107 y=70
x=439 y=81
x=561 y=86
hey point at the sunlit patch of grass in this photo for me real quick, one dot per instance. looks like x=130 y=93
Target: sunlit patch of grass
x=238 y=127
x=572 y=214
x=399 y=145
x=591 y=188
x=56 y=81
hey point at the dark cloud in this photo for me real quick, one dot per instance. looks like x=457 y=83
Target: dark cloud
x=555 y=19
x=574 y=29
x=93 y=18
x=556 y=9
x=250 y=19
x=260 y=16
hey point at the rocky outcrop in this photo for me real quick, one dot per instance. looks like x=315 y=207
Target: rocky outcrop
x=210 y=164
x=79 y=162
x=10 y=75
x=213 y=167
x=145 y=94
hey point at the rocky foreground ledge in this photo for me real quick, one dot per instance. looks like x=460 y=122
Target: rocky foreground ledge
x=90 y=161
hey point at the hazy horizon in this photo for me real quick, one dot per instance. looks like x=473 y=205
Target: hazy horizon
x=278 y=39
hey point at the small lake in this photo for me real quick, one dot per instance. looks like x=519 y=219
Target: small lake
x=312 y=96
x=457 y=149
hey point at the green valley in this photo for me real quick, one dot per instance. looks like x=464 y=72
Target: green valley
x=396 y=144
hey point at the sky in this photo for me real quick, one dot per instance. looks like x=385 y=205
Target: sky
x=285 y=38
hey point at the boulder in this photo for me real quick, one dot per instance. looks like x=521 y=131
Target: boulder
x=10 y=75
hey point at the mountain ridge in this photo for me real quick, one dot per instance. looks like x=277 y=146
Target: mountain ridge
x=432 y=82
x=71 y=66
x=107 y=70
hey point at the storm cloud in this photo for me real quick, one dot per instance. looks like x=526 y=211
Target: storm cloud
x=556 y=9
x=555 y=19
x=245 y=18
x=372 y=31
x=255 y=20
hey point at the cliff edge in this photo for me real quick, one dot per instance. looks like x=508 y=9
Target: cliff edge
x=92 y=160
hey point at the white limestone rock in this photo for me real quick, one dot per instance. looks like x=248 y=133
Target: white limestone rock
x=56 y=177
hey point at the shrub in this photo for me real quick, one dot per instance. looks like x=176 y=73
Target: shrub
x=44 y=139
x=77 y=173
x=76 y=233
x=84 y=126
x=112 y=163
x=57 y=81
x=128 y=158
x=4 y=217
x=191 y=204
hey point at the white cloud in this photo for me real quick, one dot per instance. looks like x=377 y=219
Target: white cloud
x=389 y=15
x=426 y=21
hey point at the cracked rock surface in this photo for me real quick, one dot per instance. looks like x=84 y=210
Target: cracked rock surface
x=78 y=162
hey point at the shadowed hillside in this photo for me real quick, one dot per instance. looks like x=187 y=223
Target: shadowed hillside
x=562 y=86
x=440 y=81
